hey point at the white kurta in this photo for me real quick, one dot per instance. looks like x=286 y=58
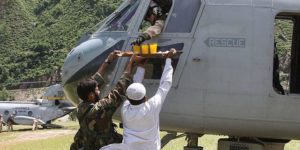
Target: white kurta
x=138 y=77
x=141 y=122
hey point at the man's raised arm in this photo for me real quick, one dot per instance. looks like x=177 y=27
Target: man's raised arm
x=166 y=79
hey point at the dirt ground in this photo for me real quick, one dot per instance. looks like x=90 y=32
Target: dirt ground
x=39 y=134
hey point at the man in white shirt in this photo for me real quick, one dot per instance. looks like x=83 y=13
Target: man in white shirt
x=141 y=115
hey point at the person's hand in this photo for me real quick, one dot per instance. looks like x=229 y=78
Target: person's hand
x=140 y=39
x=171 y=53
x=112 y=56
x=133 y=58
x=116 y=52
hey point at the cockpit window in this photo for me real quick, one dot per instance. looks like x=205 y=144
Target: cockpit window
x=181 y=10
x=122 y=18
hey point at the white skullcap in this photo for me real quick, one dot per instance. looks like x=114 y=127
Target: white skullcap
x=136 y=91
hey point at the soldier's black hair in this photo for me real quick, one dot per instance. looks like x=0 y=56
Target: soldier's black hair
x=85 y=87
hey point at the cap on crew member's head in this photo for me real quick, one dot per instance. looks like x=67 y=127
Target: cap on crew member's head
x=136 y=91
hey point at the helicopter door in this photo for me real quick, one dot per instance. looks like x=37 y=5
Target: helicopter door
x=178 y=33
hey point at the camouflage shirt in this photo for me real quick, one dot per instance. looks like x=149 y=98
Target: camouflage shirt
x=155 y=29
x=95 y=119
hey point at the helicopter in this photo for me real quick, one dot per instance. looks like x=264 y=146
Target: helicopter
x=52 y=106
x=223 y=81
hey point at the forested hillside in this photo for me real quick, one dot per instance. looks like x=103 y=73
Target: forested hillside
x=36 y=35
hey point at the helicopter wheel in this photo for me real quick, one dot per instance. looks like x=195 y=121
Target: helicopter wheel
x=44 y=126
x=192 y=141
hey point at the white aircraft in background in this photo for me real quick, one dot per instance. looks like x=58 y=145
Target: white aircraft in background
x=53 y=106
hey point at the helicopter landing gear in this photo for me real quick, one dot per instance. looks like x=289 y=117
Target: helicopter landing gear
x=251 y=144
x=192 y=141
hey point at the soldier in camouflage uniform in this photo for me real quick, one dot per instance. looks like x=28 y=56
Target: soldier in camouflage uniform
x=95 y=114
x=10 y=122
x=1 y=122
x=156 y=15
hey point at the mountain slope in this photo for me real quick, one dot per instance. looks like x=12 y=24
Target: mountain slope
x=36 y=35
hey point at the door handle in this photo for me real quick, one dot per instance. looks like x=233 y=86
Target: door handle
x=196 y=59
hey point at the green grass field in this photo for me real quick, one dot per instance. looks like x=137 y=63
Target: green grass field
x=60 y=139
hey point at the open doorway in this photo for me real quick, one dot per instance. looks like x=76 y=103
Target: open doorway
x=286 y=65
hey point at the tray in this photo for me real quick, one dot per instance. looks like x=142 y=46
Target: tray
x=157 y=55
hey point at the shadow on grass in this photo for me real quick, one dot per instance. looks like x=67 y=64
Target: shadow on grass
x=23 y=129
x=29 y=128
x=169 y=137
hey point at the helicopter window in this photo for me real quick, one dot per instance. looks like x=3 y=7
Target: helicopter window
x=56 y=102
x=154 y=67
x=121 y=20
x=286 y=62
x=183 y=16
x=96 y=62
x=6 y=112
x=165 y=7
x=30 y=113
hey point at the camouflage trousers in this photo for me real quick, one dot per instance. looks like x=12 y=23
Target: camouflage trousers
x=9 y=127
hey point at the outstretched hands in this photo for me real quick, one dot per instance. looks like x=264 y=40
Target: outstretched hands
x=112 y=56
x=134 y=58
x=140 y=39
x=171 y=53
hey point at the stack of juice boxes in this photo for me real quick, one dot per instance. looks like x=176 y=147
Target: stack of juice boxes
x=145 y=48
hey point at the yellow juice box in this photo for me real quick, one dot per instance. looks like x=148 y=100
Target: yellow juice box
x=136 y=49
x=153 y=48
x=145 y=49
